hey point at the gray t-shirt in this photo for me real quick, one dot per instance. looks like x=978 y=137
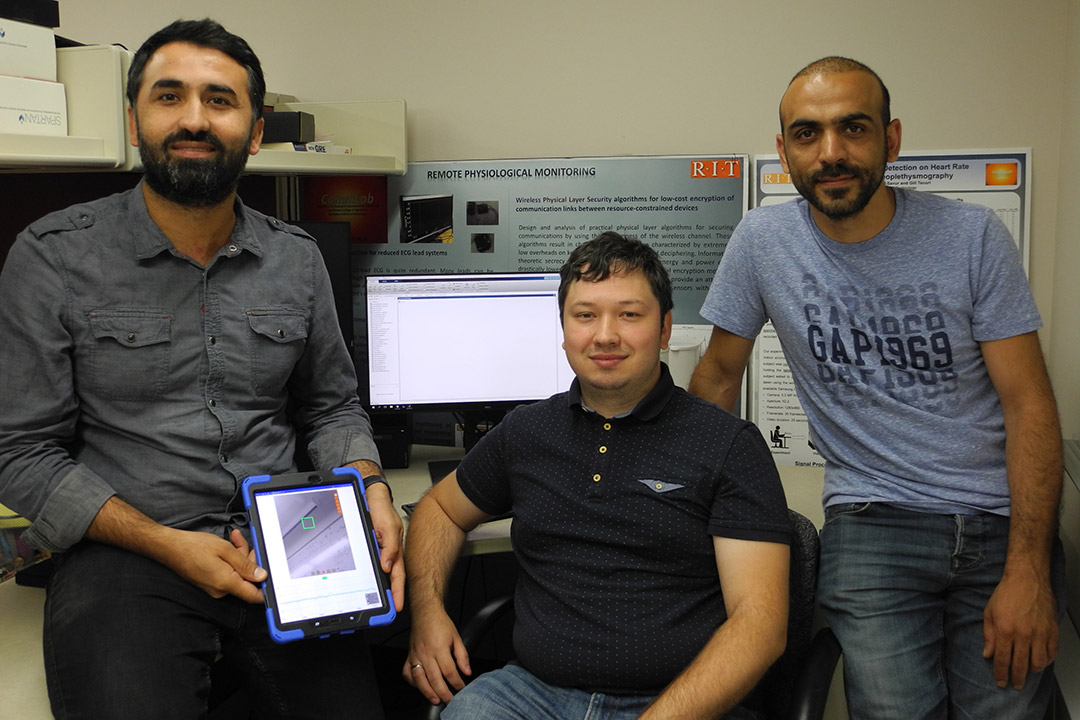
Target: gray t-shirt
x=882 y=338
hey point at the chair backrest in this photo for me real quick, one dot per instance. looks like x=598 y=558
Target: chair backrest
x=774 y=693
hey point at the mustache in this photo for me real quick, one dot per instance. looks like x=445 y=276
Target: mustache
x=203 y=136
x=838 y=170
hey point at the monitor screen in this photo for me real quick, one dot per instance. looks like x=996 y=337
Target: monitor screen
x=451 y=341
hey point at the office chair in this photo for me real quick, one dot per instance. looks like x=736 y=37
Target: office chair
x=797 y=685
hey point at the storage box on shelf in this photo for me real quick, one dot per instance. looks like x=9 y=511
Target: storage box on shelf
x=95 y=103
x=375 y=129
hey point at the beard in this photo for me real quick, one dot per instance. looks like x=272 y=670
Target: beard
x=836 y=205
x=189 y=182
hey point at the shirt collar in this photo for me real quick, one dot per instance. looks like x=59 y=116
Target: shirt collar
x=647 y=409
x=149 y=240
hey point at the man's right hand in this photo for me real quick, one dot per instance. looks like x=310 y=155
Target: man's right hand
x=217 y=566
x=436 y=653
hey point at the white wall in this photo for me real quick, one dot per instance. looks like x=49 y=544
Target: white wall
x=506 y=78
x=1064 y=345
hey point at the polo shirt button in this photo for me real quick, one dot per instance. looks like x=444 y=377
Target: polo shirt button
x=596 y=477
x=603 y=449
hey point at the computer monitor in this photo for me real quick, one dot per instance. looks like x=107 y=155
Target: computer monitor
x=464 y=342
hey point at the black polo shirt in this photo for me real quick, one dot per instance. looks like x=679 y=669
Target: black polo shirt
x=613 y=529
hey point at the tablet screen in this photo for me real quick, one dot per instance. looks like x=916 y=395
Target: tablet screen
x=317 y=552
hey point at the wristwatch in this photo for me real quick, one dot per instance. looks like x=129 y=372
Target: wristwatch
x=370 y=480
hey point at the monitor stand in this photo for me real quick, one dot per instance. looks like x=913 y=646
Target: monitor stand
x=474 y=424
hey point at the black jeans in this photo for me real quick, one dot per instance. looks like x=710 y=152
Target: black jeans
x=126 y=637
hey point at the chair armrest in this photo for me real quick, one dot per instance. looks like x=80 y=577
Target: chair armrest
x=814 y=678
x=485 y=618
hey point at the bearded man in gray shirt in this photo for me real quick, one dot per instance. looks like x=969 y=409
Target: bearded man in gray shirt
x=161 y=345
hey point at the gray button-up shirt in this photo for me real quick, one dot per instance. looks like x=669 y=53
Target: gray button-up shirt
x=128 y=369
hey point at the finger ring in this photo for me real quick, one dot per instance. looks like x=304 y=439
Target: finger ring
x=417 y=665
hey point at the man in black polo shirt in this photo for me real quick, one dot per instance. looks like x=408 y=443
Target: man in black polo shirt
x=650 y=527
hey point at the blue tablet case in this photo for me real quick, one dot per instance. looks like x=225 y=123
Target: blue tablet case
x=284 y=635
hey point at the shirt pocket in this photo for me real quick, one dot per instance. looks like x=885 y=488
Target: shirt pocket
x=131 y=352
x=278 y=338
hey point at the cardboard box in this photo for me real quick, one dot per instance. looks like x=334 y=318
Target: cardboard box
x=27 y=50
x=32 y=107
x=288 y=126
x=270 y=99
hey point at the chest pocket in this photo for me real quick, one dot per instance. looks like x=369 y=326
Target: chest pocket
x=278 y=338
x=131 y=353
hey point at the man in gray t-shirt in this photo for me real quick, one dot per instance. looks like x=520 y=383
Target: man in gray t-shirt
x=910 y=331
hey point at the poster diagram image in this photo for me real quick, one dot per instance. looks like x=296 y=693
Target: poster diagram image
x=483 y=242
x=779 y=439
x=482 y=213
x=427 y=218
x=314 y=533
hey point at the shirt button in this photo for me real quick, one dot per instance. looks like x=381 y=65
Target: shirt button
x=280 y=333
x=233 y=248
x=603 y=449
x=596 y=477
x=131 y=337
x=213 y=403
x=607 y=426
x=224 y=459
x=213 y=340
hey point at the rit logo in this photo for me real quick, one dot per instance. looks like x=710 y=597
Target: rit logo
x=715 y=168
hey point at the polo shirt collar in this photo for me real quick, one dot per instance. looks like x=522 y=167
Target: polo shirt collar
x=647 y=409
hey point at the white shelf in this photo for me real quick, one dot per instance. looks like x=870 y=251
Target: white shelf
x=95 y=78
x=374 y=129
x=96 y=124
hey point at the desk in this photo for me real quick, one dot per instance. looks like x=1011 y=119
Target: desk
x=409 y=484
x=22 y=671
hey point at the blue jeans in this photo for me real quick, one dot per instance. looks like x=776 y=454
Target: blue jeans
x=126 y=637
x=905 y=592
x=513 y=693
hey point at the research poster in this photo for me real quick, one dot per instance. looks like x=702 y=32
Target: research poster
x=522 y=215
x=998 y=179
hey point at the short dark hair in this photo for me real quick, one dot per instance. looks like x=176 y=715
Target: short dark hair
x=838 y=64
x=208 y=34
x=610 y=253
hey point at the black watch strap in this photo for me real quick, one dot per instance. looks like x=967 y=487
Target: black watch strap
x=370 y=480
